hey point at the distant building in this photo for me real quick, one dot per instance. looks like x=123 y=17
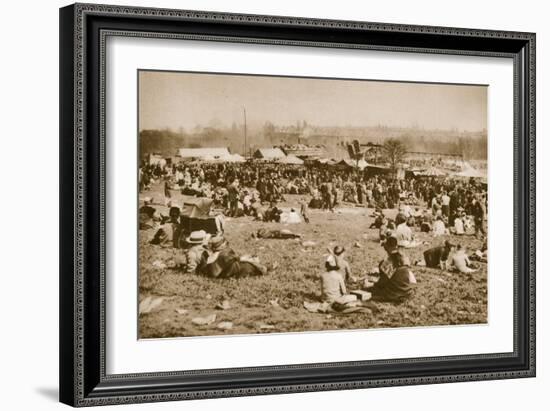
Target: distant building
x=155 y=159
x=422 y=155
x=304 y=152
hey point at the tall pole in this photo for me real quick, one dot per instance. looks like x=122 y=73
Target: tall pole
x=244 y=114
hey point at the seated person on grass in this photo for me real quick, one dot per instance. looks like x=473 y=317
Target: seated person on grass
x=437 y=257
x=333 y=286
x=461 y=262
x=396 y=283
x=439 y=228
x=404 y=234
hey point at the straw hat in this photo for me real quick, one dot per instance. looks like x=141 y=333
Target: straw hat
x=196 y=237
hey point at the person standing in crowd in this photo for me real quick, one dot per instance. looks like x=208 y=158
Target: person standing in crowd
x=445 y=205
x=233 y=197
x=167 y=193
x=480 y=215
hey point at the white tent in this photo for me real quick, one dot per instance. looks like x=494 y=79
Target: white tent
x=290 y=159
x=205 y=154
x=360 y=164
x=470 y=172
x=269 y=153
x=236 y=158
x=432 y=172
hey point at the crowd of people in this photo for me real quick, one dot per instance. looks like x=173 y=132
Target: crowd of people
x=440 y=206
x=239 y=184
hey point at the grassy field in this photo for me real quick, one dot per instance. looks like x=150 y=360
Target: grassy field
x=274 y=303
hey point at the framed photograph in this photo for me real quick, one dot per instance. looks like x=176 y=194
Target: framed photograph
x=262 y=204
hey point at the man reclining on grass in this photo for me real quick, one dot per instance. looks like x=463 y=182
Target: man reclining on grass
x=277 y=234
x=223 y=262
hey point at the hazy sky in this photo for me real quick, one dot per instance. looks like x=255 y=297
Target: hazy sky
x=174 y=100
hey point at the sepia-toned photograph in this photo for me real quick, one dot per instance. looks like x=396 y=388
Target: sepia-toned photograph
x=273 y=204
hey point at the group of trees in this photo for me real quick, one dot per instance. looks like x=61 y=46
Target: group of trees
x=394 y=149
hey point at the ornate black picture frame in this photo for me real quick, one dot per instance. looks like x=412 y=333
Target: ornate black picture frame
x=83 y=30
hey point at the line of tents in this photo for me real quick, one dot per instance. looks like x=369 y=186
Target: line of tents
x=276 y=155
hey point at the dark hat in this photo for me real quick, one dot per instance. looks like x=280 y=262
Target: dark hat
x=448 y=244
x=338 y=250
x=217 y=243
x=400 y=219
x=390 y=243
x=330 y=263
x=175 y=212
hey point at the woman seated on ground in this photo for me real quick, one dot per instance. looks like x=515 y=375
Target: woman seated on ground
x=458 y=225
x=461 y=262
x=343 y=265
x=404 y=234
x=438 y=228
x=333 y=286
x=379 y=219
x=426 y=222
x=396 y=282
x=291 y=217
x=223 y=262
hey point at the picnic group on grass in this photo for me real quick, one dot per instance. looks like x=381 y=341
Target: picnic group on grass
x=446 y=207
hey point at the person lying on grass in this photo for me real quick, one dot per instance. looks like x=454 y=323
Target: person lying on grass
x=223 y=262
x=276 y=234
x=194 y=255
x=396 y=282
